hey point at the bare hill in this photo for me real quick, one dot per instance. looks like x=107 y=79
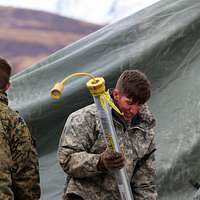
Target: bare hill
x=27 y=36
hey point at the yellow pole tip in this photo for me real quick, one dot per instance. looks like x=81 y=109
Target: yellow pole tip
x=55 y=95
x=57 y=90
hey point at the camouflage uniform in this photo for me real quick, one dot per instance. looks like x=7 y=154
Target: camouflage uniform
x=80 y=147
x=19 y=174
x=197 y=195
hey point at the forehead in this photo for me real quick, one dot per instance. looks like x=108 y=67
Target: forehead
x=127 y=98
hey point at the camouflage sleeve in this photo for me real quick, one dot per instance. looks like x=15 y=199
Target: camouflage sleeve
x=5 y=166
x=25 y=170
x=143 y=180
x=74 y=148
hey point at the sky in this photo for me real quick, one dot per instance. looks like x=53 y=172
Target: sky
x=107 y=11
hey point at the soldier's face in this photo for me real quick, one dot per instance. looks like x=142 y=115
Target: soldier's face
x=126 y=105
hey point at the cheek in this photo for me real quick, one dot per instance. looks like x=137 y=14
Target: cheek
x=137 y=109
x=134 y=109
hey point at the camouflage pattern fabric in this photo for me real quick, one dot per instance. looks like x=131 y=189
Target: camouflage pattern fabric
x=197 y=195
x=82 y=142
x=19 y=169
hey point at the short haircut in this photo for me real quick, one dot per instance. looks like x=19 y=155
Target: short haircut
x=135 y=85
x=5 y=73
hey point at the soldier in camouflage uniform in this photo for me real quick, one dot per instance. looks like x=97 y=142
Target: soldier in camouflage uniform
x=19 y=172
x=83 y=154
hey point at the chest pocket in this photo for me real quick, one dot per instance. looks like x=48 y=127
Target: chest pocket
x=99 y=145
x=141 y=142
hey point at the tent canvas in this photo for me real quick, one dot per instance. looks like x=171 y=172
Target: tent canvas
x=163 y=41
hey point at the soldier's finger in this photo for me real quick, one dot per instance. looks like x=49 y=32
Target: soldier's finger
x=113 y=155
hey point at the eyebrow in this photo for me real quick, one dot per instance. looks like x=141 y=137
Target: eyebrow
x=129 y=100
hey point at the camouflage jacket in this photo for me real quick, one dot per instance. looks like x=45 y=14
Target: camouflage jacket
x=82 y=142
x=19 y=174
x=197 y=195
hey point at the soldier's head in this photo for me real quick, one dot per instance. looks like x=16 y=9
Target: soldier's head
x=5 y=73
x=132 y=90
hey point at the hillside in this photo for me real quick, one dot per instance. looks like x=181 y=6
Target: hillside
x=27 y=36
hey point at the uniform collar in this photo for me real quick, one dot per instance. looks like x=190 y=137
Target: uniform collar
x=3 y=97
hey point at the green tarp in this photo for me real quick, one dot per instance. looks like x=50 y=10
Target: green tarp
x=164 y=42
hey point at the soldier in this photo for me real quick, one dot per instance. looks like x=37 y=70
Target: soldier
x=83 y=154
x=19 y=171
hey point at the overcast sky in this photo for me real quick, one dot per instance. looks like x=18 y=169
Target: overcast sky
x=96 y=11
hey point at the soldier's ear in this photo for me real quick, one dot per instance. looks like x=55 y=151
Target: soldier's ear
x=116 y=94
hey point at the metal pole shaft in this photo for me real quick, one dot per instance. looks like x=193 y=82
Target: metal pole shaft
x=112 y=142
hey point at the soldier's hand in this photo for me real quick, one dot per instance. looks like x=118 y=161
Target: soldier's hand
x=111 y=160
